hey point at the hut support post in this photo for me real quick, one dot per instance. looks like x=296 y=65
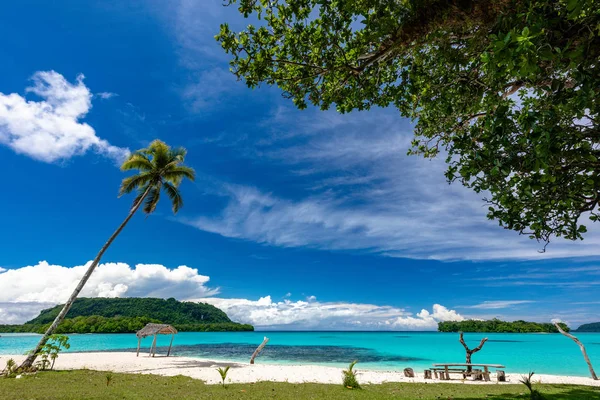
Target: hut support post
x=153 y=347
x=138 y=349
x=170 y=344
x=258 y=349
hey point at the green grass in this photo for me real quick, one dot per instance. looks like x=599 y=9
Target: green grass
x=86 y=384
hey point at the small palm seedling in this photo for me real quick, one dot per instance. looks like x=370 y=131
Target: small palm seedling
x=109 y=378
x=349 y=376
x=11 y=369
x=534 y=394
x=223 y=372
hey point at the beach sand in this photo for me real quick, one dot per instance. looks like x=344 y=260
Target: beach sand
x=204 y=369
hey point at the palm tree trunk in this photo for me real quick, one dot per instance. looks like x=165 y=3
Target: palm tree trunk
x=61 y=316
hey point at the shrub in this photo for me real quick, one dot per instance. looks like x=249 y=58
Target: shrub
x=54 y=345
x=10 y=371
x=349 y=376
x=533 y=393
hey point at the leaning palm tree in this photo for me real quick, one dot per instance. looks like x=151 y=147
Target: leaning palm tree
x=160 y=168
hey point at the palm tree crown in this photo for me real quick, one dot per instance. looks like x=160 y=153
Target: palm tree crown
x=160 y=167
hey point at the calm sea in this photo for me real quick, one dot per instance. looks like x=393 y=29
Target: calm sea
x=520 y=353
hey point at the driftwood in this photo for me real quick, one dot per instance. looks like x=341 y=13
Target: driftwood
x=582 y=347
x=409 y=373
x=501 y=376
x=471 y=351
x=258 y=349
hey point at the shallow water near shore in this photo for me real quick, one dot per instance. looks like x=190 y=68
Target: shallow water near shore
x=520 y=353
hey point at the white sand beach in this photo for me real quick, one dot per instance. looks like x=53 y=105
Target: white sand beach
x=204 y=369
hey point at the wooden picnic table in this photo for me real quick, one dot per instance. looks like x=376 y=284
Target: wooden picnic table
x=448 y=369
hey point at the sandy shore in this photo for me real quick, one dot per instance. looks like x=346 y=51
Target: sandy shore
x=204 y=369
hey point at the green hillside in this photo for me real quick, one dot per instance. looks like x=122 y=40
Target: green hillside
x=593 y=327
x=122 y=315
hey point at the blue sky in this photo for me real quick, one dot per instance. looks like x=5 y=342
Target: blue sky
x=298 y=219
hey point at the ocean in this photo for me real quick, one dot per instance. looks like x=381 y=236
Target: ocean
x=520 y=353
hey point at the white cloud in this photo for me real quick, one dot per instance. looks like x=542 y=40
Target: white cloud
x=264 y=313
x=44 y=284
x=17 y=313
x=498 y=304
x=50 y=130
x=25 y=291
x=2 y=270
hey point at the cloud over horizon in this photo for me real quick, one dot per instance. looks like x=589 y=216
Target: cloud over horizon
x=50 y=130
x=25 y=291
x=265 y=313
x=45 y=284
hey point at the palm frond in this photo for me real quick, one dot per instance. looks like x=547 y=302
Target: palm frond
x=152 y=199
x=160 y=152
x=178 y=153
x=139 y=196
x=174 y=195
x=176 y=174
x=137 y=160
x=159 y=165
x=134 y=182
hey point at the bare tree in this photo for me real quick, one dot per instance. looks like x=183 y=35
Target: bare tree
x=258 y=349
x=582 y=347
x=471 y=351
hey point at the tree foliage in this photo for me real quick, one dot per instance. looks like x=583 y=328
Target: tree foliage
x=508 y=89
x=496 y=325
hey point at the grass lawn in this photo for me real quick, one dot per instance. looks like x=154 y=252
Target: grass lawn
x=86 y=384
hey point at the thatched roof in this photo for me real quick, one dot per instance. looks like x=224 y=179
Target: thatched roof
x=153 y=329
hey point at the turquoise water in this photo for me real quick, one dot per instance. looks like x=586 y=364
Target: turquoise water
x=520 y=353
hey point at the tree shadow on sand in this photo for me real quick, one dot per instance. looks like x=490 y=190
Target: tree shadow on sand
x=567 y=392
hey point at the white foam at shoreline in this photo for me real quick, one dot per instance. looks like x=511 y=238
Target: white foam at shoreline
x=204 y=369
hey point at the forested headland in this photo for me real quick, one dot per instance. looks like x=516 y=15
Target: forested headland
x=126 y=315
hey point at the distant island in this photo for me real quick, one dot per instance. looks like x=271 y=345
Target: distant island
x=498 y=326
x=126 y=315
x=593 y=327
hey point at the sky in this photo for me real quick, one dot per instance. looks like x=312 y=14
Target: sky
x=297 y=219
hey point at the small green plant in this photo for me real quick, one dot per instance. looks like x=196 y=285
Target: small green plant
x=109 y=378
x=534 y=394
x=349 y=376
x=223 y=372
x=10 y=371
x=49 y=353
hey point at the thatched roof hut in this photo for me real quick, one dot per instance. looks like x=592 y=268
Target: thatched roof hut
x=153 y=330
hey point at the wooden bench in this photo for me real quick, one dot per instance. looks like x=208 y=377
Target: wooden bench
x=444 y=370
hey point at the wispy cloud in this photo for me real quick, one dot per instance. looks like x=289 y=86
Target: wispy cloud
x=498 y=304
x=50 y=130
x=362 y=192
x=106 y=95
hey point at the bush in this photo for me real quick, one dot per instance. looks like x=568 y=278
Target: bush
x=533 y=393
x=349 y=376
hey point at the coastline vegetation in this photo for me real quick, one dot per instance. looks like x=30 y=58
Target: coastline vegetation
x=128 y=315
x=498 y=326
x=68 y=385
